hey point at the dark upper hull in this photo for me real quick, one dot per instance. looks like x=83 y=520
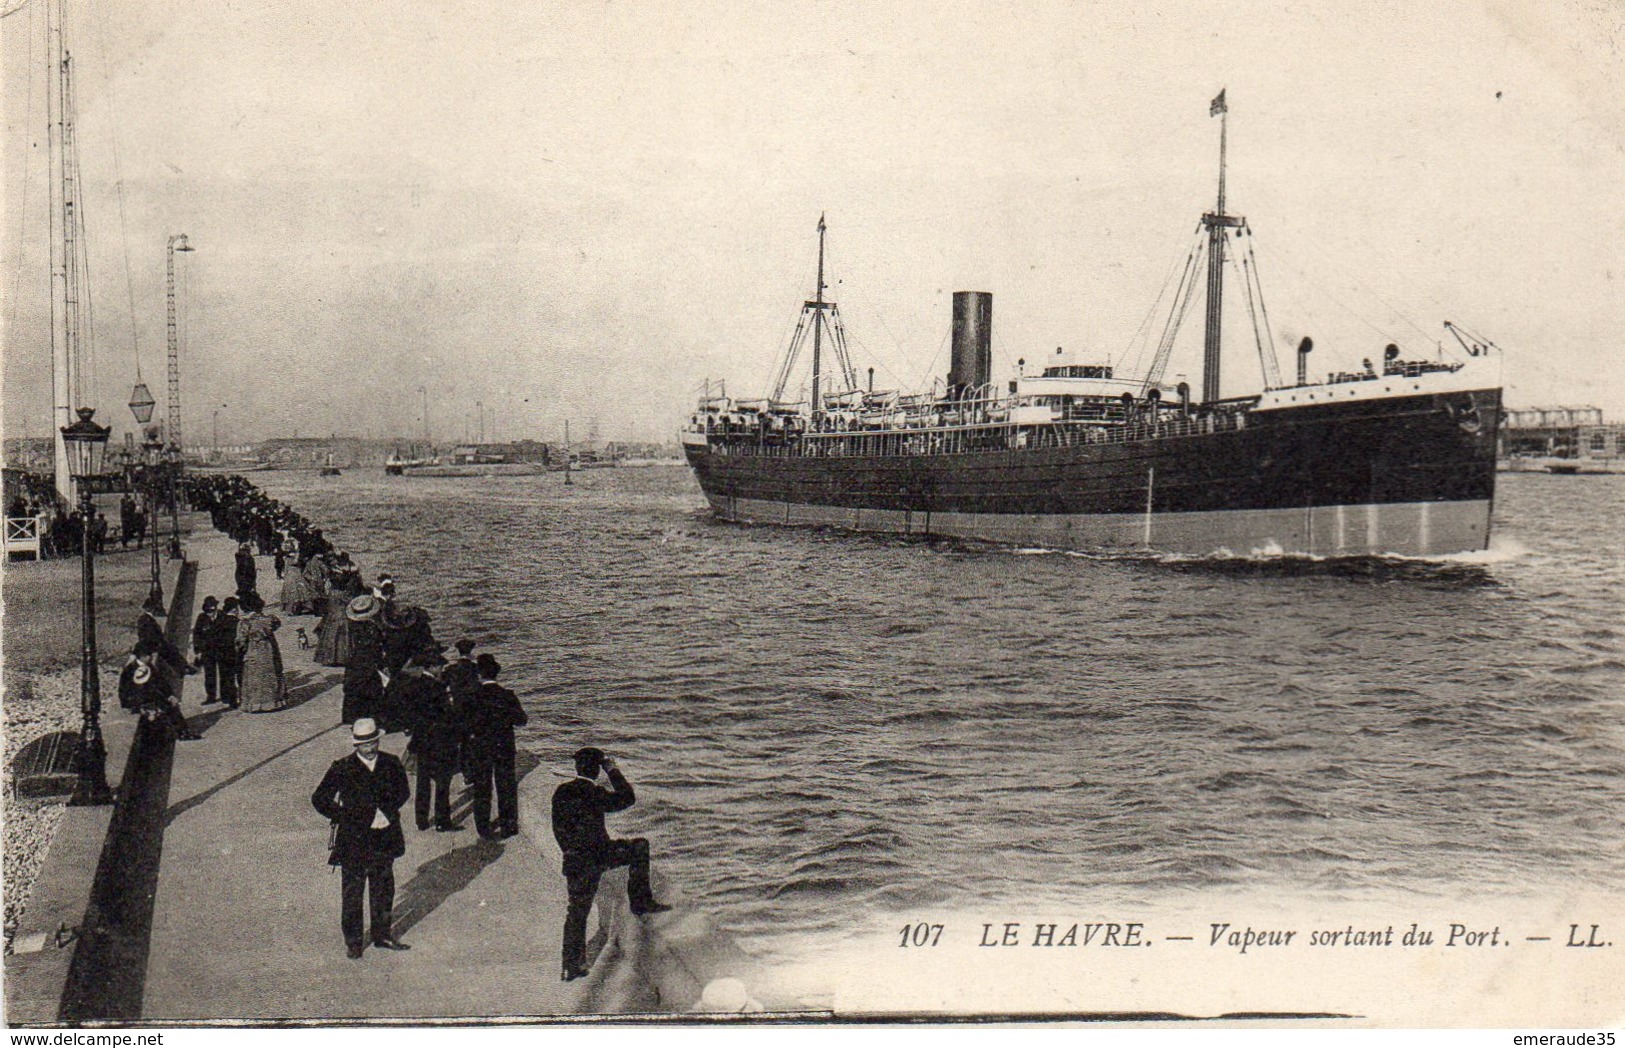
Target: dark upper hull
x=1430 y=454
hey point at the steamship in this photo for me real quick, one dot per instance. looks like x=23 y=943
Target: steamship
x=1397 y=458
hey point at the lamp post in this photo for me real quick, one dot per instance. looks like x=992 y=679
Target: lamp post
x=174 y=469
x=86 y=443
x=141 y=405
x=153 y=455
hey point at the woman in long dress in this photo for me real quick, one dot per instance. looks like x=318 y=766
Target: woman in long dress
x=296 y=594
x=262 y=688
x=333 y=635
x=316 y=577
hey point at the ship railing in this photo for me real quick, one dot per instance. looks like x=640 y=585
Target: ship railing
x=998 y=437
x=1417 y=368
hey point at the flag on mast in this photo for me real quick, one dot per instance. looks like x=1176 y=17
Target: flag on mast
x=1218 y=105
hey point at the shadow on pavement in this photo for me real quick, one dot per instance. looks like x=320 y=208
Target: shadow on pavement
x=302 y=687
x=462 y=805
x=181 y=807
x=440 y=878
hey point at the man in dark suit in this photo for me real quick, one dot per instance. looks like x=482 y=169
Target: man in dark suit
x=437 y=732
x=204 y=632
x=462 y=676
x=579 y=807
x=362 y=794
x=246 y=570
x=491 y=715
x=231 y=663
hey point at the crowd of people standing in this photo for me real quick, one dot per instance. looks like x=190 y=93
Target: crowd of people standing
x=397 y=675
x=397 y=678
x=63 y=527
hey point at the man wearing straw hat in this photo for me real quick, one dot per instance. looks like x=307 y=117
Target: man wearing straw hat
x=362 y=795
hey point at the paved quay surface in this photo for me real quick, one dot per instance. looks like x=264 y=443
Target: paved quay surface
x=61 y=891
x=245 y=921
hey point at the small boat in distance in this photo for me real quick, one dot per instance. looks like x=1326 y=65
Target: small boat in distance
x=397 y=464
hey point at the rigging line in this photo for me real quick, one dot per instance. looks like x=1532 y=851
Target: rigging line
x=1395 y=310
x=14 y=8
x=791 y=352
x=1262 y=308
x=880 y=363
x=86 y=303
x=1355 y=313
x=897 y=343
x=1145 y=323
x=118 y=182
x=782 y=356
x=846 y=353
x=1240 y=266
x=86 y=363
x=932 y=367
x=22 y=220
x=73 y=315
x=1176 y=319
x=1268 y=367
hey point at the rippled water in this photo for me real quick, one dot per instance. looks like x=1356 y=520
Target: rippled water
x=823 y=725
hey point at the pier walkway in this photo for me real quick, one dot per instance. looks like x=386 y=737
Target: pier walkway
x=231 y=912
x=246 y=914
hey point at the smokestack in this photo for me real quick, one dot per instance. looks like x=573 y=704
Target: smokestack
x=972 y=362
x=1303 y=360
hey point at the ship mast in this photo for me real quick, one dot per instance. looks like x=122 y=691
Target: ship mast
x=818 y=322
x=817 y=314
x=61 y=361
x=1216 y=223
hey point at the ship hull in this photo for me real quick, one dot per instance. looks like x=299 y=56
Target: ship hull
x=1409 y=476
x=1372 y=529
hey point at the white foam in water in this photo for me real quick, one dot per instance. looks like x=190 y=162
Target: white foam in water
x=1504 y=549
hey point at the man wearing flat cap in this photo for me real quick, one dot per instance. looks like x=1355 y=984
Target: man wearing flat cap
x=579 y=807
x=489 y=717
x=362 y=795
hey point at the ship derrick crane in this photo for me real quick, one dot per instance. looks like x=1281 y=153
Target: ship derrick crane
x=818 y=318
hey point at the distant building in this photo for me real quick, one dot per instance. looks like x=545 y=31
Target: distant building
x=1562 y=440
x=30 y=453
x=316 y=452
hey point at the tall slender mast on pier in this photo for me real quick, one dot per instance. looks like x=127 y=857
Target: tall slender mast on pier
x=176 y=243
x=61 y=364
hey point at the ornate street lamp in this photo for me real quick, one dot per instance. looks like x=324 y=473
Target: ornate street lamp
x=141 y=403
x=85 y=443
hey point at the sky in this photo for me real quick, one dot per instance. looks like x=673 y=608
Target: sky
x=586 y=211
